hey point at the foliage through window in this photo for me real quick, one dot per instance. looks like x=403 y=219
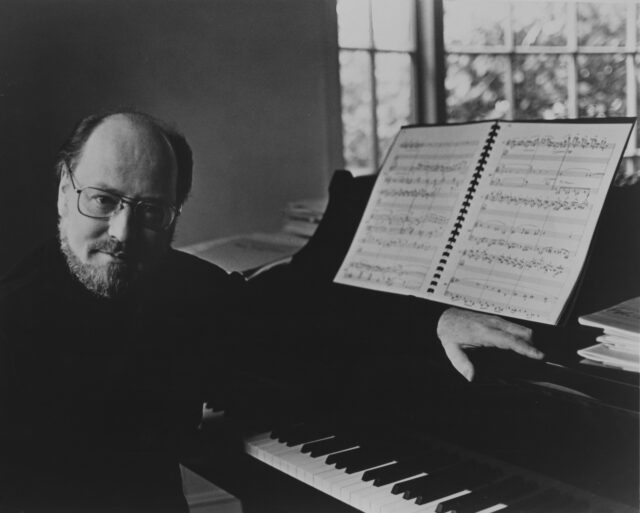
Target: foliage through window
x=513 y=59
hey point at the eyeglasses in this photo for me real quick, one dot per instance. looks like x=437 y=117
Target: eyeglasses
x=100 y=204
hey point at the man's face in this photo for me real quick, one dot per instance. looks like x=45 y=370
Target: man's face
x=126 y=158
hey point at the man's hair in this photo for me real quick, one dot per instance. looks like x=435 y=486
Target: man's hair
x=71 y=150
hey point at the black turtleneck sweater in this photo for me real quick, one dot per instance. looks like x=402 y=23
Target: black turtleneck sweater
x=98 y=397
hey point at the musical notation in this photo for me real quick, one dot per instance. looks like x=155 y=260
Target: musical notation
x=505 y=290
x=412 y=209
x=392 y=275
x=566 y=142
x=524 y=247
x=534 y=211
x=511 y=238
x=537 y=203
x=537 y=264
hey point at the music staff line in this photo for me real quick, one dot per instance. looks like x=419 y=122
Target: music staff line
x=496 y=306
x=556 y=158
x=447 y=208
x=501 y=227
x=512 y=245
x=420 y=260
x=507 y=290
x=546 y=218
x=415 y=193
x=555 y=185
x=565 y=142
x=400 y=243
x=513 y=277
x=537 y=203
x=393 y=219
x=416 y=143
x=441 y=181
x=528 y=169
x=435 y=156
x=515 y=262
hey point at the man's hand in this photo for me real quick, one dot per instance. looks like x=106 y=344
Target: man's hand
x=462 y=329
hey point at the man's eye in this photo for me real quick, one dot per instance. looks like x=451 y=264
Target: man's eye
x=104 y=200
x=151 y=211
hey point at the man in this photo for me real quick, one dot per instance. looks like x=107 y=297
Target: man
x=100 y=367
x=108 y=336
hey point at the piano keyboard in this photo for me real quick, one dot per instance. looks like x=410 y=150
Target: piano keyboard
x=404 y=478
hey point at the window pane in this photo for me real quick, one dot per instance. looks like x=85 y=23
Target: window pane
x=353 y=23
x=601 y=85
x=394 y=88
x=602 y=25
x=540 y=23
x=468 y=23
x=393 y=24
x=540 y=86
x=355 y=79
x=476 y=87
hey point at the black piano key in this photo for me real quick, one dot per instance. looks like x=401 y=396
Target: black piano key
x=306 y=433
x=424 y=463
x=451 y=482
x=405 y=487
x=325 y=447
x=336 y=456
x=486 y=496
x=412 y=488
x=367 y=459
x=341 y=460
x=355 y=456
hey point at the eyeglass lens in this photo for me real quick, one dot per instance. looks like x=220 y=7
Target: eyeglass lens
x=97 y=203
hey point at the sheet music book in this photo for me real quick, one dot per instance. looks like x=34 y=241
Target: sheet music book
x=493 y=216
x=622 y=319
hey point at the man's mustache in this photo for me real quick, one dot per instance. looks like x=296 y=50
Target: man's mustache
x=114 y=247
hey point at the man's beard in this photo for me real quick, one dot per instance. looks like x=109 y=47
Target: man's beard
x=110 y=280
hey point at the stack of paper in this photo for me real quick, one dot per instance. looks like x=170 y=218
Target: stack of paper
x=619 y=345
x=249 y=252
x=302 y=217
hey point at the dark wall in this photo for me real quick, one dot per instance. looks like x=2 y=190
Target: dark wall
x=252 y=83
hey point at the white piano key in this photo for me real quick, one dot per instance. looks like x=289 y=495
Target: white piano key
x=377 y=495
x=349 y=488
x=491 y=509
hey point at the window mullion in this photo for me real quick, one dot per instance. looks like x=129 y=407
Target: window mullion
x=375 y=157
x=572 y=71
x=509 y=89
x=432 y=61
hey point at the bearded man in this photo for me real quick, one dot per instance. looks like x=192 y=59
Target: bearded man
x=101 y=365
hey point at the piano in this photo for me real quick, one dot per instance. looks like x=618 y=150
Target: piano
x=347 y=406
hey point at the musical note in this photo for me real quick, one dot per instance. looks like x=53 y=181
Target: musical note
x=566 y=142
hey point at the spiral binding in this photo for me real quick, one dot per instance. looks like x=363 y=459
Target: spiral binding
x=465 y=206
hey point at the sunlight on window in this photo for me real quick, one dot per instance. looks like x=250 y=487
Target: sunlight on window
x=509 y=59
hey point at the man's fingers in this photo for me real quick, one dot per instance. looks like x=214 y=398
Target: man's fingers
x=515 y=329
x=504 y=340
x=460 y=361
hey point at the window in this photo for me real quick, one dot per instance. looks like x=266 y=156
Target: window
x=377 y=40
x=513 y=59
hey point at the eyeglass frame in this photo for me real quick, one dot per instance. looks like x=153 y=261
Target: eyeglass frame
x=134 y=203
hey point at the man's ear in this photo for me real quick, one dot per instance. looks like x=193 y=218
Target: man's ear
x=63 y=187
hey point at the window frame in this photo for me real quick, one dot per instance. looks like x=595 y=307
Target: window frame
x=430 y=69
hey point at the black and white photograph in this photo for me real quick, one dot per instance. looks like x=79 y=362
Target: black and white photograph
x=320 y=256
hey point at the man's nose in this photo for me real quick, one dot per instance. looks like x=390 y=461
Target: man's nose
x=121 y=223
